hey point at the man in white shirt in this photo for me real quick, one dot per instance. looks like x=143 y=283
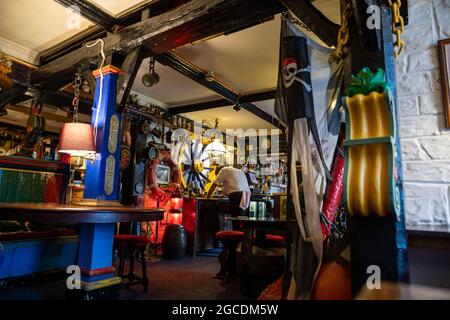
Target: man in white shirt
x=234 y=185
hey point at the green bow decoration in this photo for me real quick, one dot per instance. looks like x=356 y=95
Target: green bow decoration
x=366 y=81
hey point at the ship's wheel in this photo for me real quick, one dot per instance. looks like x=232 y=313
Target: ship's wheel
x=195 y=164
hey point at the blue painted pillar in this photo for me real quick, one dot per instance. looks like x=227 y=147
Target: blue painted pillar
x=101 y=185
x=102 y=176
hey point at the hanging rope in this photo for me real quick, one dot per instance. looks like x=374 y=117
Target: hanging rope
x=102 y=52
x=398 y=26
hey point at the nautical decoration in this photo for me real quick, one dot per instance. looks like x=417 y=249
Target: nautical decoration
x=195 y=164
x=172 y=171
x=312 y=137
x=370 y=155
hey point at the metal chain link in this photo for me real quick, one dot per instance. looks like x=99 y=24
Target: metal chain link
x=151 y=65
x=295 y=21
x=398 y=26
x=343 y=34
x=76 y=99
x=5 y=64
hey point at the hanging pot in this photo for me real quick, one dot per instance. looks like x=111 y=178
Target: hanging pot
x=148 y=80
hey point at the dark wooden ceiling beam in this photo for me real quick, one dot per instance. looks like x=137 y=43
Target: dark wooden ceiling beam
x=190 y=22
x=195 y=73
x=155 y=7
x=314 y=19
x=253 y=97
x=125 y=82
x=92 y=13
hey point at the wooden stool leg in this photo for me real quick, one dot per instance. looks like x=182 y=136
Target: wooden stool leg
x=231 y=261
x=131 y=275
x=144 y=270
x=223 y=257
x=121 y=261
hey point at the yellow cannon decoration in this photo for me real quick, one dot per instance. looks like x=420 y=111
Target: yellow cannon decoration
x=370 y=150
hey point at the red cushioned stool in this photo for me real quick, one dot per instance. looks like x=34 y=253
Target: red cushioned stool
x=274 y=241
x=131 y=246
x=227 y=258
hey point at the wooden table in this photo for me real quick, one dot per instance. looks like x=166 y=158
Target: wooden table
x=249 y=224
x=259 y=270
x=96 y=237
x=48 y=212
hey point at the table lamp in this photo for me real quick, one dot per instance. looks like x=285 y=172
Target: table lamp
x=77 y=140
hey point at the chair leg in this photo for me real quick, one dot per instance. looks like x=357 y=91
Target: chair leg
x=144 y=270
x=223 y=257
x=121 y=262
x=131 y=275
x=231 y=261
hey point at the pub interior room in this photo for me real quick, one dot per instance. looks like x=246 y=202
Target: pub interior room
x=224 y=150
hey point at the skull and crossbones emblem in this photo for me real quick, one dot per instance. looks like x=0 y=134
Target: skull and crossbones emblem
x=290 y=73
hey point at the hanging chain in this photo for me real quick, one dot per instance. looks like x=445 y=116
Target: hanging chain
x=398 y=26
x=76 y=99
x=343 y=34
x=295 y=21
x=151 y=63
x=5 y=64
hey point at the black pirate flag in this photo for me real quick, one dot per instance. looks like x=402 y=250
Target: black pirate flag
x=295 y=92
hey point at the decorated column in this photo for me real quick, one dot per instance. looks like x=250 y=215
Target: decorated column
x=102 y=176
x=98 y=279
x=373 y=182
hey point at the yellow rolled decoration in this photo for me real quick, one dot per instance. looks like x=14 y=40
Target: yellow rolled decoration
x=370 y=184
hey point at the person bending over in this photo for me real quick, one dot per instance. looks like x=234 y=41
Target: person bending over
x=234 y=185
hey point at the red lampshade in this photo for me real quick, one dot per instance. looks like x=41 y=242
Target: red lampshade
x=76 y=139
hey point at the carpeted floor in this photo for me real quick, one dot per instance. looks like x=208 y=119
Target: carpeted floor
x=186 y=279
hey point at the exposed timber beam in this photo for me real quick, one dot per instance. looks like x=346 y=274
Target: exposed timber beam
x=6 y=96
x=191 y=71
x=126 y=79
x=253 y=97
x=156 y=7
x=190 y=22
x=91 y=12
x=314 y=19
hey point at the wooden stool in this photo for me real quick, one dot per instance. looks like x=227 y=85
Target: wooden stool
x=127 y=246
x=227 y=258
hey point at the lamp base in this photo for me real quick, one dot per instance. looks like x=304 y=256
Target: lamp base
x=98 y=203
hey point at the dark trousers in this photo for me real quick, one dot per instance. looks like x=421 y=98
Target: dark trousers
x=235 y=209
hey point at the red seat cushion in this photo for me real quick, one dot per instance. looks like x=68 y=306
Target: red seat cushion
x=273 y=240
x=129 y=240
x=229 y=235
x=31 y=235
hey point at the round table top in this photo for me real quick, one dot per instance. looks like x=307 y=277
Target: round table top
x=260 y=222
x=63 y=213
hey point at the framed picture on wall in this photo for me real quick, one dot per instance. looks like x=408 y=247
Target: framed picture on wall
x=162 y=174
x=444 y=61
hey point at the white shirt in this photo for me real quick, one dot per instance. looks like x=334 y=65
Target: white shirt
x=232 y=180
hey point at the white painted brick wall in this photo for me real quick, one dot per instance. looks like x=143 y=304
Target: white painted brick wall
x=424 y=139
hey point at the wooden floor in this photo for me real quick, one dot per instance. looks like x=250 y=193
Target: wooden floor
x=186 y=279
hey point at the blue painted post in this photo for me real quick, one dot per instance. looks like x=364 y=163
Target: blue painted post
x=102 y=176
x=101 y=186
